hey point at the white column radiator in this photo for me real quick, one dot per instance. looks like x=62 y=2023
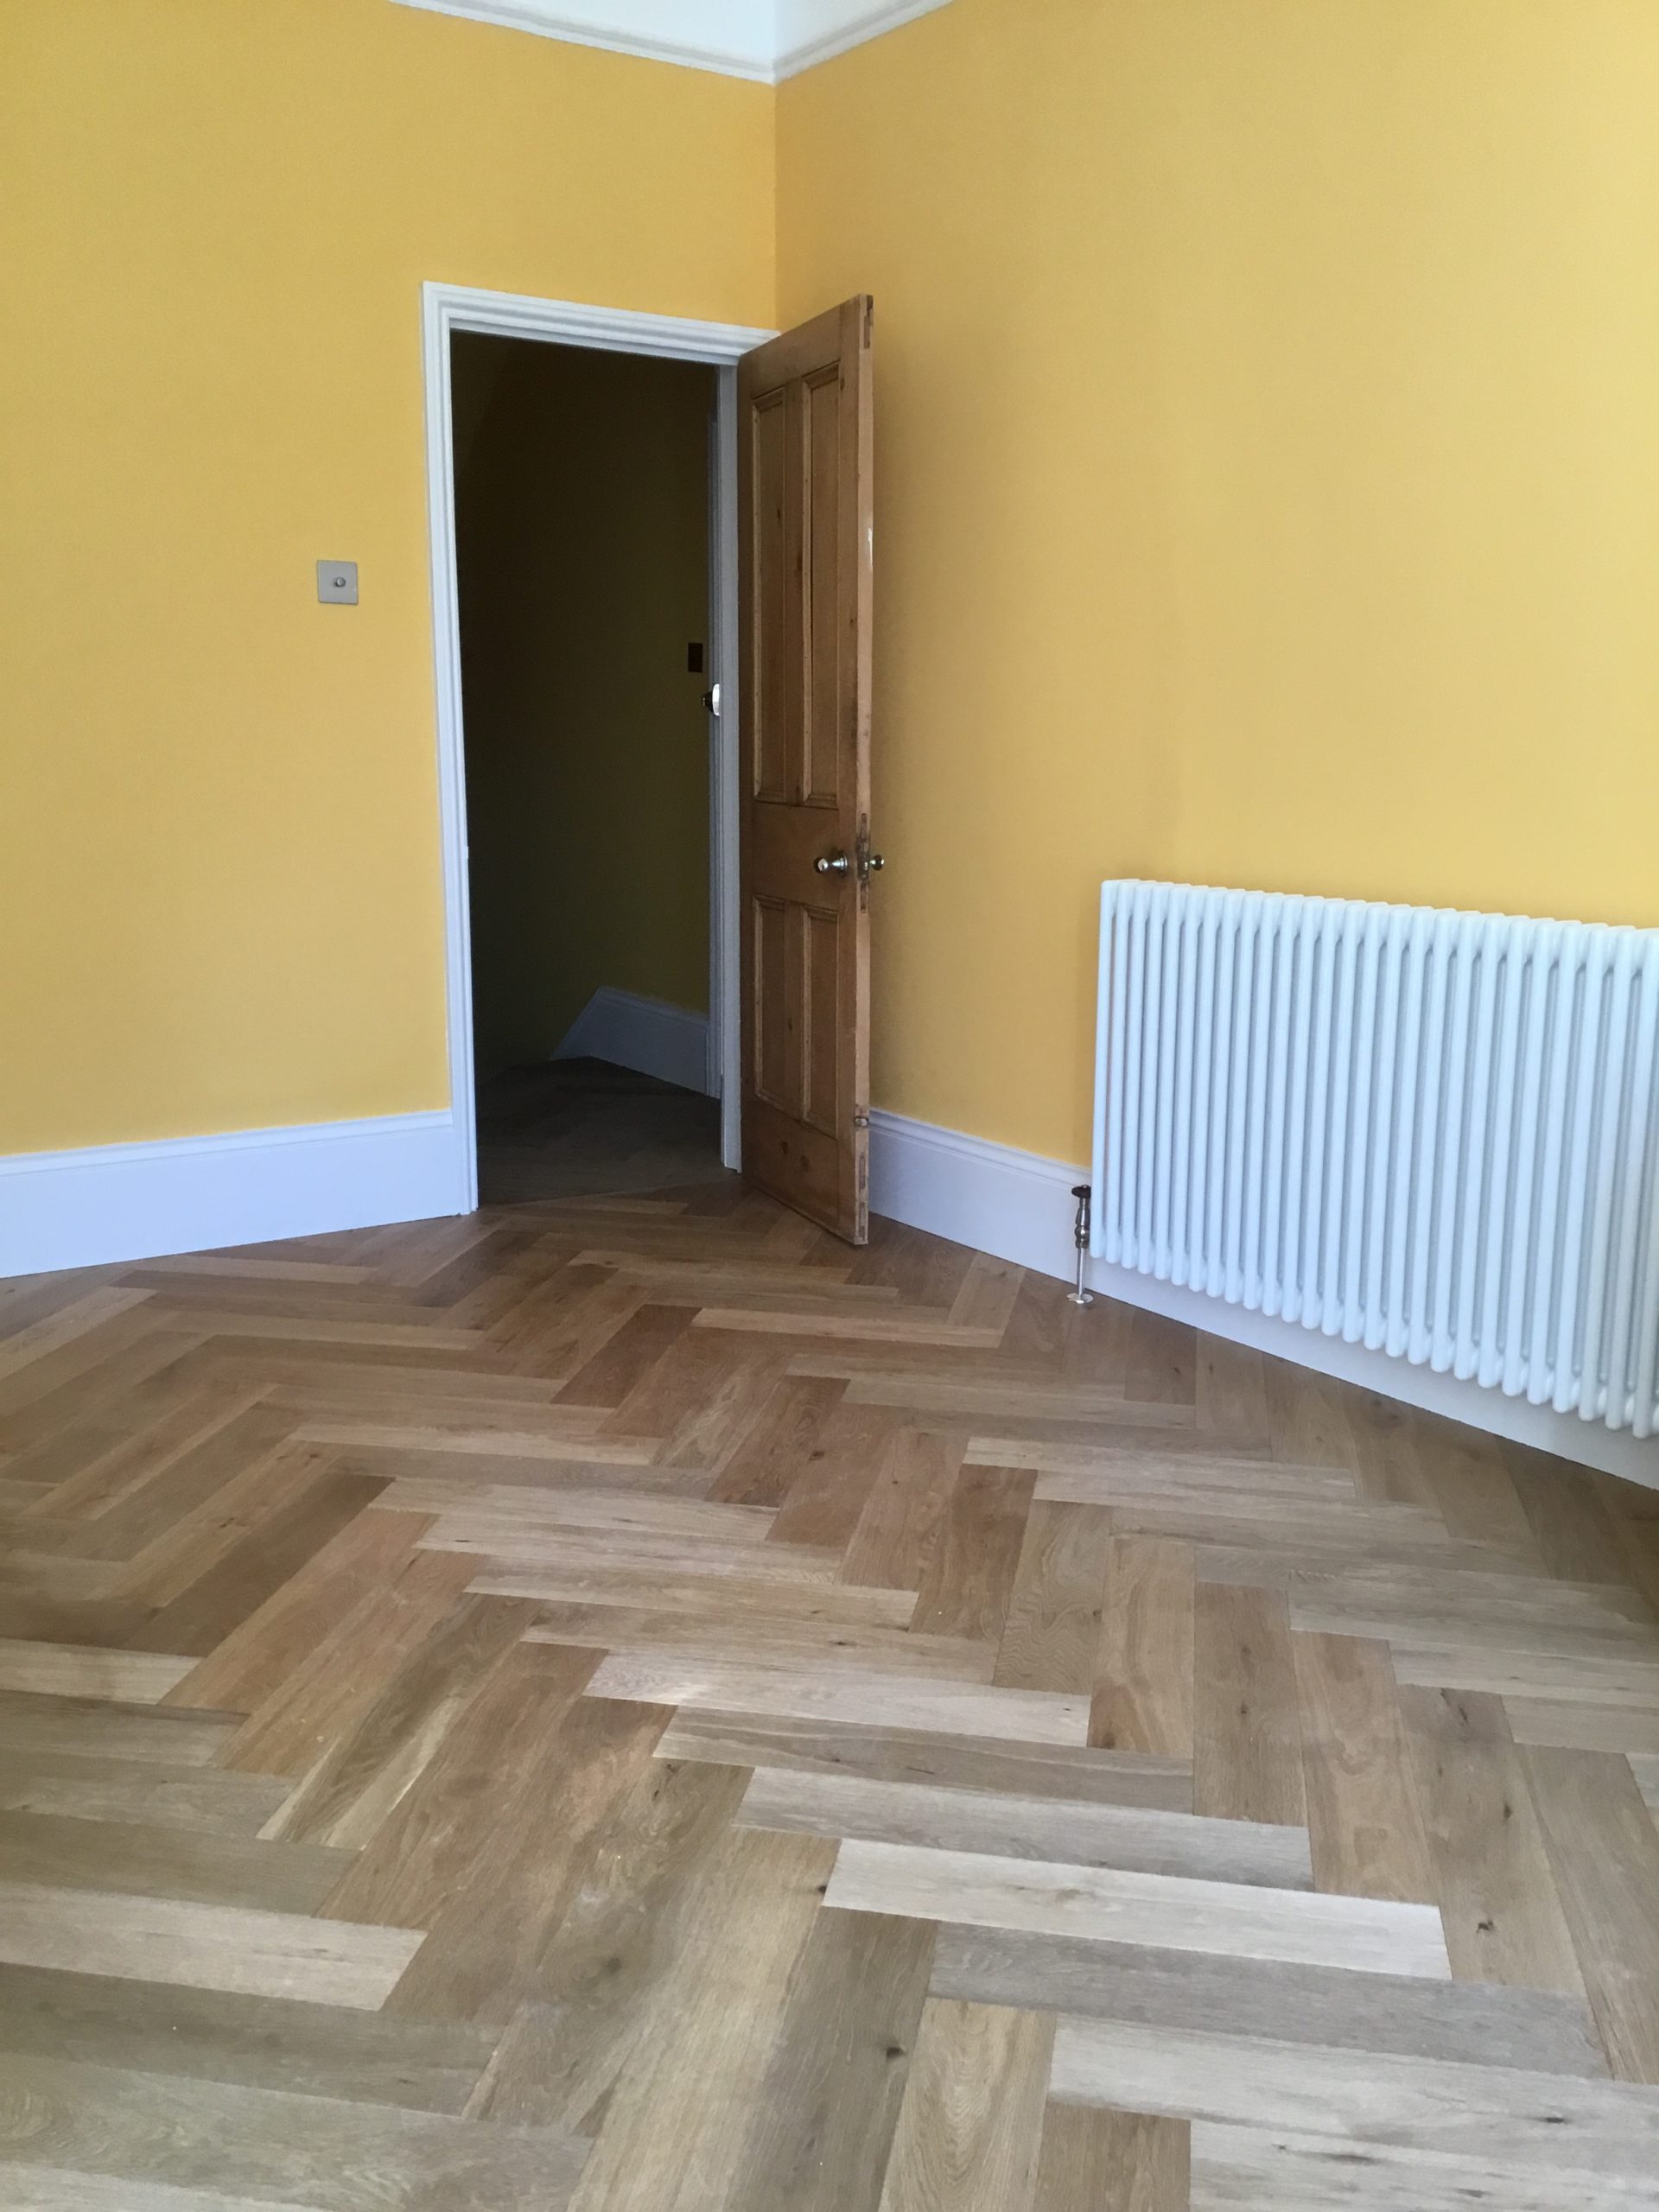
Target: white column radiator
x=1434 y=1134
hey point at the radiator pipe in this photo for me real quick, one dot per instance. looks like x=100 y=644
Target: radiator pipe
x=1080 y=1238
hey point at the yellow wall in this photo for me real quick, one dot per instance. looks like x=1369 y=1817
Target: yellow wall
x=582 y=530
x=219 y=899
x=1268 y=490
x=1267 y=453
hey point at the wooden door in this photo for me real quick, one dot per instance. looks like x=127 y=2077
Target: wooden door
x=803 y=480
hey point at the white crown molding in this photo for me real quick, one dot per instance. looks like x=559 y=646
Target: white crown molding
x=647 y=1035
x=765 y=40
x=1019 y=1206
x=812 y=31
x=121 y=1201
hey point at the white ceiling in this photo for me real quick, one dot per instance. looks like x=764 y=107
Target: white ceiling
x=766 y=40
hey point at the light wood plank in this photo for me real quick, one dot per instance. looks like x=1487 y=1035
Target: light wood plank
x=84 y=1670
x=1363 y=1813
x=205 y=1947
x=950 y=1708
x=1362 y=2097
x=1044 y=1828
x=970 y=2133
x=1362 y=1935
x=1234 y=2168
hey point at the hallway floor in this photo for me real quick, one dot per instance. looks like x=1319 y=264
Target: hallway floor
x=622 y=1702
x=575 y=1128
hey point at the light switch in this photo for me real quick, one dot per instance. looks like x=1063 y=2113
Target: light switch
x=337 y=582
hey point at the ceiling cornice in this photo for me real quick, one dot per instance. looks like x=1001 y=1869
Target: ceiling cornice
x=765 y=40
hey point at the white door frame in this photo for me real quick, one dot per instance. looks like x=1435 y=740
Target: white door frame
x=450 y=307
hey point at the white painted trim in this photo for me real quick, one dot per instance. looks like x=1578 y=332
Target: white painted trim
x=188 y=1194
x=648 y=1035
x=445 y=310
x=1018 y=1206
x=812 y=31
x=733 y=40
x=764 y=40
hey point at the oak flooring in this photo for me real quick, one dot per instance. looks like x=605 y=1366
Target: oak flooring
x=623 y=1703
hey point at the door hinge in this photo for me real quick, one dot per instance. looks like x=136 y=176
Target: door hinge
x=861 y=1121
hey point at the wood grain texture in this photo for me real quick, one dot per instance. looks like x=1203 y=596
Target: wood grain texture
x=622 y=1701
x=970 y=2133
x=1230 y=1920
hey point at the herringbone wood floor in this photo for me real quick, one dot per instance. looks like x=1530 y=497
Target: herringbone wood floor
x=623 y=1702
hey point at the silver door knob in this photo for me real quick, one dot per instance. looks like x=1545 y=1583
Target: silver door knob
x=833 y=864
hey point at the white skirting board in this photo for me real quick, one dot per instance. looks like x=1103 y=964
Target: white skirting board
x=647 y=1035
x=190 y=1194
x=1019 y=1206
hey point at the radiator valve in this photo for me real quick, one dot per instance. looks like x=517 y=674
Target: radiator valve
x=1080 y=1296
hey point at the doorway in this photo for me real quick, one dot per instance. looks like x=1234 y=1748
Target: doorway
x=583 y=504
x=526 y=1039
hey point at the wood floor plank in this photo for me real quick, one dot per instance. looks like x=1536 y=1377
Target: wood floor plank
x=1498 y=1897
x=511 y=1884
x=97 y=1787
x=272 y=1547
x=827 y=1495
x=1052 y=1629
x=970 y=2130
x=1101 y=1904
x=763 y=1640
x=1142 y=1688
x=1045 y=1828
x=599 y=1977
x=1582 y=1727
x=949 y=1709
x=1369 y=2097
x=1362 y=1814
x=884 y=1753
x=892 y=1544
x=252 y=1662
x=1247 y=1759
x=423 y=1859
x=1094 y=2160
x=621 y=1513
x=1236 y=2167
x=1605 y=1853
x=675 y=2129
x=1474 y=2024
x=203 y=1947
x=135 y=1859
x=830 y=2100
x=970 y=1576
x=83 y=1670
x=309 y=1710
x=58 y=2189
x=370 y=1768
x=262 y=2042
x=67 y=1326
x=276 y=2146
x=32 y=1722
x=799 y=1599
x=762 y=1469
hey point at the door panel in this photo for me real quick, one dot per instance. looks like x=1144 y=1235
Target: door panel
x=803 y=465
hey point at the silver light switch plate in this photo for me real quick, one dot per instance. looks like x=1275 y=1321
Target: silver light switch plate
x=337 y=582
